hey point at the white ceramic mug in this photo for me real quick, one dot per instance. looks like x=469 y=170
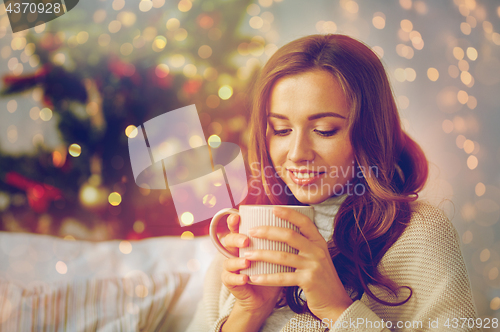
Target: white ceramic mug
x=253 y=216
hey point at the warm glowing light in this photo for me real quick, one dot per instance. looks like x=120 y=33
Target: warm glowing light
x=189 y=70
x=173 y=24
x=205 y=51
x=104 y=40
x=184 y=5
x=131 y=131
x=214 y=141
x=472 y=102
x=125 y=247
x=180 y=34
x=400 y=74
x=487 y=27
x=114 y=26
x=472 y=162
x=58 y=159
x=82 y=37
x=61 y=267
x=462 y=97
x=410 y=74
x=225 y=92
x=118 y=4
x=187 y=235
x=447 y=126
x=433 y=74
x=210 y=74
x=89 y=195
x=126 y=49
x=493 y=273
x=405 y=4
x=187 y=218
x=127 y=18
x=209 y=200
x=480 y=190
x=406 y=25
x=265 y=3
x=162 y=70
x=466 y=77
x=253 y=9
x=100 y=15
x=495 y=302
x=468 y=146
x=465 y=28
x=75 y=150
x=378 y=21
x=139 y=227
x=177 y=60
x=12 y=106
x=12 y=133
x=256 y=22
x=159 y=43
x=463 y=65
x=352 y=7
x=145 y=5
x=46 y=114
x=195 y=141
x=34 y=113
x=114 y=198
x=467 y=237
x=458 y=53
x=472 y=53
x=460 y=139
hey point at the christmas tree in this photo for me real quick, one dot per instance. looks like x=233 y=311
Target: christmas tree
x=99 y=81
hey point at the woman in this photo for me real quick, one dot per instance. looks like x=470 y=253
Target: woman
x=326 y=132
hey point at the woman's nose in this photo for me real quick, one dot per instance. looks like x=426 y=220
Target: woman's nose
x=300 y=149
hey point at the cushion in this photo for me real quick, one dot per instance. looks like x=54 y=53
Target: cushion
x=135 y=302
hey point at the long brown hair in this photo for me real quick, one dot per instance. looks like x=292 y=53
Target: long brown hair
x=366 y=225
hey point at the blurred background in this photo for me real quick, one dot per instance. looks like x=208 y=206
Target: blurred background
x=74 y=89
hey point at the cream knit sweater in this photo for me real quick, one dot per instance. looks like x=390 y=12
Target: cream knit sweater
x=426 y=257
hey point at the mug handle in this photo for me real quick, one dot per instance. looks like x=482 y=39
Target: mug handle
x=213 y=231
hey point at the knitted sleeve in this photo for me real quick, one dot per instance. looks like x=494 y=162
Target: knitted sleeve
x=427 y=258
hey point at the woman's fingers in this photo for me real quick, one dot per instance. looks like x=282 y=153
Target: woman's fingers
x=236 y=240
x=231 y=280
x=233 y=222
x=236 y=264
x=277 y=257
x=305 y=225
x=288 y=236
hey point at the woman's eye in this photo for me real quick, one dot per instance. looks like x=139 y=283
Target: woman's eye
x=282 y=132
x=326 y=133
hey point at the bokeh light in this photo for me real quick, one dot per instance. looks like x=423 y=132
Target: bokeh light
x=187 y=218
x=75 y=150
x=114 y=199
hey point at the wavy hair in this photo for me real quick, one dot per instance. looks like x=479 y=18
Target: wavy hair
x=366 y=225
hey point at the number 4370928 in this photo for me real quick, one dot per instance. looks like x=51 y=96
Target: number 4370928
x=27 y=7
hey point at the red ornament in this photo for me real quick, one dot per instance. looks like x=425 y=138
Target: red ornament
x=39 y=195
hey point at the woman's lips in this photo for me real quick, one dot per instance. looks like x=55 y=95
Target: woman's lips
x=304 y=181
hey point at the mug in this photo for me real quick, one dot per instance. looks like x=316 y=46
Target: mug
x=253 y=216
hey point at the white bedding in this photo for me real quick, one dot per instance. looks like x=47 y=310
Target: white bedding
x=28 y=260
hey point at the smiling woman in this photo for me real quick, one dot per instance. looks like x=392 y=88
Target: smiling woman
x=327 y=133
x=308 y=135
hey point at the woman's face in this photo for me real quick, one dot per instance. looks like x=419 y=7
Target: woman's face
x=307 y=136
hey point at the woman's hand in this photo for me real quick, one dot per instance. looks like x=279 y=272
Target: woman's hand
x=314 y=270
x=251 y=298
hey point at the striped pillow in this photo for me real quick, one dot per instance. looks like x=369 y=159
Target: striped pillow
x=136 y=302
